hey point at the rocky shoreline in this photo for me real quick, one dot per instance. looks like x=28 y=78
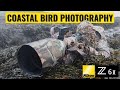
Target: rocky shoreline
x=16 y=35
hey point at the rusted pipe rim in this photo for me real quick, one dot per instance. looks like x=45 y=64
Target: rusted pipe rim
x=29 y=61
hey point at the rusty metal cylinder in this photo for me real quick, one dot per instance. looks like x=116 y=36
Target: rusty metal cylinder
x=35 y=56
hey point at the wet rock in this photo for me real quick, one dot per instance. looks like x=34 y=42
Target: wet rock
x=113 y=37
x=9 y=68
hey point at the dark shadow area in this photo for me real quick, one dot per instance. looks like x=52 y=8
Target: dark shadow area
x=29 y=60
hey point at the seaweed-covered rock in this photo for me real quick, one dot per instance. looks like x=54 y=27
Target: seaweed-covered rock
x=113 y=37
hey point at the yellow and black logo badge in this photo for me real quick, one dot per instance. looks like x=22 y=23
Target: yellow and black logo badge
x=88 y=71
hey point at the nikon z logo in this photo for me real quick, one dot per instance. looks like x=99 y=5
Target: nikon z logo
x=92 y=71
x=107 y=71
x=102 y=69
